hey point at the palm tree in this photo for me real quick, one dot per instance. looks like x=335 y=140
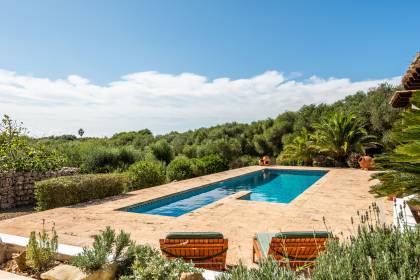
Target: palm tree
x=403 y=163
x=341 y=134
x=302 y=149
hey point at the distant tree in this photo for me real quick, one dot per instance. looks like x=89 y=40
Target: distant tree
x=162 y=151
x=81 y=132
x=17 y=153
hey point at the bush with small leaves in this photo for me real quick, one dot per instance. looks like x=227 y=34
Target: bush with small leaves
x=107 y=248
x=211 y=164
x=180 y=168
x=267 y=269
x=150 y=264
x=145 y=174
x=41 y=250
x=69 y=190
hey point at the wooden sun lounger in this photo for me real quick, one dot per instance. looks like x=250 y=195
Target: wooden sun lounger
x=205 y=249
x=290 y=248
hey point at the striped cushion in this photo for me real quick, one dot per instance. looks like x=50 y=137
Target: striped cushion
x=194 y=235
x=303 y=234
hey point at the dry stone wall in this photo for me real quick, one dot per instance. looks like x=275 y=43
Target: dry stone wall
x=17 y=188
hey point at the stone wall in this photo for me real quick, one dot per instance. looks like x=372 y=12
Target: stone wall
x=17 y=188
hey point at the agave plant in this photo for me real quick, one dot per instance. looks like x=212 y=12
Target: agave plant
x=341 y=134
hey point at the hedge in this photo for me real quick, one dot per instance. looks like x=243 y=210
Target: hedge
x=69 y=190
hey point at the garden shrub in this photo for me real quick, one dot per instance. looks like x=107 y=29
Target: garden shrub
x=211 y=164
x=107 y=248
x=180 y=168
x=41 y=250
x=148 y=263
x=267 y=269
x=69 y=190
x=162 y=150
x=146 y=174
x=99 y=159
x=243 y=161
x=377 y=252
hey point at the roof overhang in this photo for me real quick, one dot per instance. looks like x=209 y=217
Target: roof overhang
x=401 y=98
x=411 y=79
x=411 y=83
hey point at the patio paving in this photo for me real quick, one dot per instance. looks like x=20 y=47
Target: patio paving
x=336 y=196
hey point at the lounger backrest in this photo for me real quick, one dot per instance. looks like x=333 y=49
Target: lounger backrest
x=298 y=247
x=209 y=253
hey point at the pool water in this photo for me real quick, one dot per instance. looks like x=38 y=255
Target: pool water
x=270 y=185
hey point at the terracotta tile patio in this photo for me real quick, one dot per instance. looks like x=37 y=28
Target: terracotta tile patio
x=336 y=196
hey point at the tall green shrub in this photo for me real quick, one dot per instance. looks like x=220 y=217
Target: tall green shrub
x=144 y=174
x=211 y=164
x=101 y=159
x=69 y=190
x=180 y=168
x=162 y=151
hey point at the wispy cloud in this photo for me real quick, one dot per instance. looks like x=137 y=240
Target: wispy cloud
x=161 y=102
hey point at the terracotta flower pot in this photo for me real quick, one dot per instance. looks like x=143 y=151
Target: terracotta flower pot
x=366 y=163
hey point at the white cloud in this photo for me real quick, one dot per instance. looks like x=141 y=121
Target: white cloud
x=161 y=102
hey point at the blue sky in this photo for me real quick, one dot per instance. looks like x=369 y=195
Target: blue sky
x=102 y=42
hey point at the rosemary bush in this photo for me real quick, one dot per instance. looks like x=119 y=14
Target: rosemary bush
x=149 y=264
x=107 y=248
x=268 y=269
x=378 y=251
x=41 y=250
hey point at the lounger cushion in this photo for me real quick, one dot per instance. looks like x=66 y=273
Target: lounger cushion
x=264 y=239
x=194 y=235
x=303 y=234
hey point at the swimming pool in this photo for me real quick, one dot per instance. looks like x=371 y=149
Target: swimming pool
x=270 y=185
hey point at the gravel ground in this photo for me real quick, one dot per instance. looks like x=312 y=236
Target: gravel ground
x=16 y=212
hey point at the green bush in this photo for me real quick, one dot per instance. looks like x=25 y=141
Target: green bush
x=41 y=250
x=101 y=159
x=69 y=190
x=180 y=168
x=377 y=252
x=211 y=164
x=17 y=153
x=148 y=263
x=162 y=151
x=243 y=161
x=146 y=174
x=267 y=269
x=108 y=247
